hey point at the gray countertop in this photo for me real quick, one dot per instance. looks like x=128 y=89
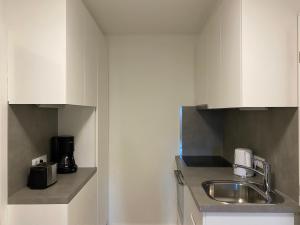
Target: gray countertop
x=62 y=192
x=195 y=176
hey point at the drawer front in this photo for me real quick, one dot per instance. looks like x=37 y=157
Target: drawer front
x=192 y=215
x=180 y=195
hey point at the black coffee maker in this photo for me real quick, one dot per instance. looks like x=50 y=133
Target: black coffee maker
x=62 y=153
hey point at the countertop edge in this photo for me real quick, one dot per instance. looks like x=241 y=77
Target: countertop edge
x=81 y=186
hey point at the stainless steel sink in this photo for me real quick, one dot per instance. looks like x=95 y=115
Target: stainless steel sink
x=239 y=192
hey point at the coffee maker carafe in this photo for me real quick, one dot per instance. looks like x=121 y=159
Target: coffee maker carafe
x=62 y=153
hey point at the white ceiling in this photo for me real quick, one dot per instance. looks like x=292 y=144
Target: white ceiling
x=150 y=16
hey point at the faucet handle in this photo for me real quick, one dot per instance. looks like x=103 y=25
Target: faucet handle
x=266 y=170
x=259 y=162
x=262 y=164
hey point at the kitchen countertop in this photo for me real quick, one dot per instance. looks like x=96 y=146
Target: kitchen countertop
x=62 y=192
x=195 y=176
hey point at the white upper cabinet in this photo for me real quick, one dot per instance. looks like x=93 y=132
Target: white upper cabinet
x=53 y=53
x=247 y=55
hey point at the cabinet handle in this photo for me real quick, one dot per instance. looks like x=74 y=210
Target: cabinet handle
x=178 y=177
x=192 y=218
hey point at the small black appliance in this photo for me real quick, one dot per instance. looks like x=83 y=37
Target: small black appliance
x=62 y=153
x=42 y=176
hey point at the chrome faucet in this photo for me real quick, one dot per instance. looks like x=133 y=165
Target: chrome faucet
x=266 y=175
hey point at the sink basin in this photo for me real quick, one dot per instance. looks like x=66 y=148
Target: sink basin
x=238 y=192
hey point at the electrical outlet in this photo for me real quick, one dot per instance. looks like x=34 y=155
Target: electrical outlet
x=258 y=162
x=37 y=160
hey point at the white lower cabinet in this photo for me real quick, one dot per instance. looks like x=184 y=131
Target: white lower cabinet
x=248 y=219
x=82 y=210
x=192 y=216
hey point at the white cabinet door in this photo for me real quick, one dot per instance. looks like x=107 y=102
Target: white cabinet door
x=248 y=218
x=250 y=55
x=192 y=215
x=92 y=50
x=83 y=209
x=36 y=51
x=76 y=22
x=53 y=53
x=218 y=73
x=37 y=214
x=269 y=53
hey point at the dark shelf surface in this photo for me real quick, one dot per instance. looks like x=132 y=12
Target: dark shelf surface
x=62 y=192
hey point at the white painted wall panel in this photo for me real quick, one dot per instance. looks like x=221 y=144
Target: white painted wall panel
x=150 y=78
x=298 y=217
x=3 y=115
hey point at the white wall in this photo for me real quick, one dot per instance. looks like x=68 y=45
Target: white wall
x=150 y=78
x=3 y=116
x=298 y=217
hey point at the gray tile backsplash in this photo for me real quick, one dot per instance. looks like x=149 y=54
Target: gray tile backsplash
x=202 y=132
x=272 y=134
x=29 y=131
